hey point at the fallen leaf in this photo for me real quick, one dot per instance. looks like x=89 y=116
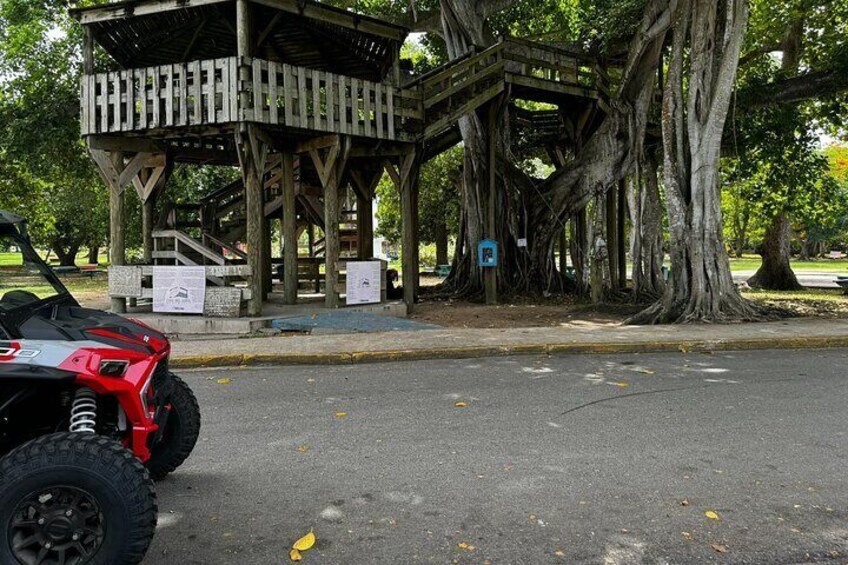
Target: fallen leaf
x=303 y=448
x=712 y=515
x=621 y=385
x=647 y=372
x=295 y=555
x=686 y=535
x=684 y=502
x=720 y=548
x=460 y=404
x=466 y=546
x=223 y=381
x=341 y=414
x=559 y=553
x=683 y=349
x=305 y=543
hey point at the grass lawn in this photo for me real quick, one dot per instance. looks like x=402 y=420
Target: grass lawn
x=753 y=262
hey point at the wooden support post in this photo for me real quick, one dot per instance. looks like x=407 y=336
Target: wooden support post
x=289 y=231
x=118 y=175
x=253 y=153
x=331 y=167
x=117 y=235
x=149 y=184
x=267 y=251
x=243 y=50
x=406 y=180
x=87 y=51
x=365 y=188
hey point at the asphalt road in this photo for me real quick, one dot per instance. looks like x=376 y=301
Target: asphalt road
x=553 y=460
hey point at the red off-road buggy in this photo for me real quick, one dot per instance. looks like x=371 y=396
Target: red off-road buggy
x=90 y=415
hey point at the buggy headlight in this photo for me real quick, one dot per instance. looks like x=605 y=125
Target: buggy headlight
x=113 y=368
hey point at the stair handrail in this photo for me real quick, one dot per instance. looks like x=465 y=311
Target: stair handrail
x=224 y=245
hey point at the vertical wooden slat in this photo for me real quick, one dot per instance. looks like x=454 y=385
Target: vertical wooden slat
x=84 y=105
x=378 y=108
x=117 y=103
x=209 y=89
x=156 y=96
x=129 y=101
x=354 y=111
x=329 y=93
x=258 y=98
x=342 y=105
x=196 y=93
x=287 y=94
x=92 y=104
x=273 y=109
x=104 y=103
x=390 y=94
x=301 y=97
x=224 y=65
x=367 y=88
x=235 y=108
x=316 y=100
x=183 y=94
x=169 y=93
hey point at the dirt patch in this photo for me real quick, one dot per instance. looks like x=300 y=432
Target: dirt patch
x=528 y=314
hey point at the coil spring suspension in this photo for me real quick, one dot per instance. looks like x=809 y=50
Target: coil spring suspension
x=84 y=411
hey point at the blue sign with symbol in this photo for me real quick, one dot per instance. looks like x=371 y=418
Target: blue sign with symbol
x=487 y=253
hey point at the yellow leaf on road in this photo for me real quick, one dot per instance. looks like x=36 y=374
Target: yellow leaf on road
x=223 y=381
x=460 y=404
x=686 y=535
x=341 y=414
x=622 y=385
x=295 y=555
x=711 y=515
x=647 y=372
x=303 y=448
x=305 y=543
x=720 y=548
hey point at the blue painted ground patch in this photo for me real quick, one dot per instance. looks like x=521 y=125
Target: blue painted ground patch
x=349 y=322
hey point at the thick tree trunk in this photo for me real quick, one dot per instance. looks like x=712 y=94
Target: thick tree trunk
x=67 y=253
x=701 y=286
x=775 y=272
x=611 y=153
x=647 y=233
x=441 y=243
x=93 y=255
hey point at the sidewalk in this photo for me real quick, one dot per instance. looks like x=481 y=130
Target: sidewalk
x=470 y=343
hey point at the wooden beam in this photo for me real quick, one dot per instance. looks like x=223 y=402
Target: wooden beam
x=290 y=282
x=333 y=167
x=252 y=156
x=342 y=18
x=405 y=178
x=135 y=8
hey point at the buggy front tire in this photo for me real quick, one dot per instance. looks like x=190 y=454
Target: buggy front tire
x=70 y=497
x=181 y=431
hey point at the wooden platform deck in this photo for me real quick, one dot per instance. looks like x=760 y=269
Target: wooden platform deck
x=208 y=97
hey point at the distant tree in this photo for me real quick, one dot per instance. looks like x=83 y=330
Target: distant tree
x=47 y=175
x=439 y=203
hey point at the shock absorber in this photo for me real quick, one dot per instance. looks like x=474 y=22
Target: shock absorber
x=84 y=411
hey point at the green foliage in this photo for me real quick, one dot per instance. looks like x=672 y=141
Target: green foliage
x=46 y=175
x=439 y=199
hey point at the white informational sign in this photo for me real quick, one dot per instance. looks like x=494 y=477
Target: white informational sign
x=179 y=290
x=363 y=282
x=522 y=242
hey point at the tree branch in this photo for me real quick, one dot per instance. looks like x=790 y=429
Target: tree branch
x=808 y=86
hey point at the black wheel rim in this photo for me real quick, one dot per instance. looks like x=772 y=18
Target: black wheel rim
x=56 y=526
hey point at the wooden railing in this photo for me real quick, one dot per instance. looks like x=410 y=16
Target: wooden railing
x=321 y=101
x=187 y=94
x=207 y=93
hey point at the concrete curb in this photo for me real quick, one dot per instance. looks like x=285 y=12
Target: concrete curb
x=480 y=351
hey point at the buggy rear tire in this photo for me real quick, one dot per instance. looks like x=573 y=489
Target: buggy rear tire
x=78 y=497
x=181 y=431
